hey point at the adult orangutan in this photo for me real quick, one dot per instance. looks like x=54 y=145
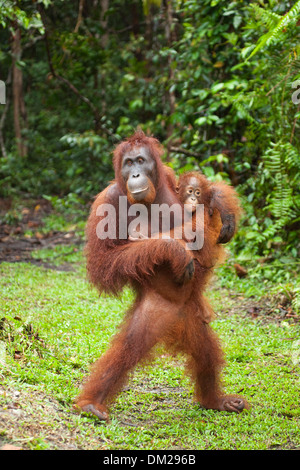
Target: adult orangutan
x=168 y=283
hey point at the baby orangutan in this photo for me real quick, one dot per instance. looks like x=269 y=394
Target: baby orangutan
x=200 y=229
x=191 y=311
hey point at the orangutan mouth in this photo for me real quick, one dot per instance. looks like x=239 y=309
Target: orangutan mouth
x=140 y=190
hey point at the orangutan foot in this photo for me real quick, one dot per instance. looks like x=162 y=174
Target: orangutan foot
x=96 y=409
x=229 y=403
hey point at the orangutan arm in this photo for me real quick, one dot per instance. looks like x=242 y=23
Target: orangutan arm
x=225 y=200
x=112 y=263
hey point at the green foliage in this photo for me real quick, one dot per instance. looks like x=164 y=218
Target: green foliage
x=229 y=67
x=29 y=20
x=283 y=163
x=275 y=24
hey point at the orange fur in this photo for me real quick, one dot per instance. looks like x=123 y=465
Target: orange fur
x=169 y=307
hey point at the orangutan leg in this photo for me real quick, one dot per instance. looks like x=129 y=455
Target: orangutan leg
x=206 y=361
x=148 y=322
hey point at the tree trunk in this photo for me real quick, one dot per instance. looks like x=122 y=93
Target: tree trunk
x=17 y=90
x=79 y=17
x=3 y=117
x=103 y=22
x=171 y=94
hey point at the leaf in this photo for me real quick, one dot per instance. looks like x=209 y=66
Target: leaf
x=284 y=22
x=231 y=37
x=250 y=235
x=136 y=104
x=200 y=121
x=219 y=64
x=237 y=21
x=217 y=87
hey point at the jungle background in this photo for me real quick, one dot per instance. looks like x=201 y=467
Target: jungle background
x=217 y=82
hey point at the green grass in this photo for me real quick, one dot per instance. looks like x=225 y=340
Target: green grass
x=53 y=325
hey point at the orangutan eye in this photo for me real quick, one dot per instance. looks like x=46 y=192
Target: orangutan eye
x=197 y=193
x=189 y=191
x=140 y=160
x=129 y=162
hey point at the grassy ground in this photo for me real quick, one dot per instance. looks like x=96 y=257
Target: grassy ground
x=53 y=326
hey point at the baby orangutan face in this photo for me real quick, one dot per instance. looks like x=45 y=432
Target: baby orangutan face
x=191 y=196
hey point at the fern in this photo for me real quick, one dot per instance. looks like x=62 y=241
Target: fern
x=283 y=163
x=276 y=28
x=267 y=17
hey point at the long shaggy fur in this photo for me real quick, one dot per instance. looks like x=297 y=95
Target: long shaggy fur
x=166 y=309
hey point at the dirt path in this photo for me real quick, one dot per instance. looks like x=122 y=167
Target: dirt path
x=25 y=234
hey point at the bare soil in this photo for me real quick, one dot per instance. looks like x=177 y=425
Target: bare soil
x=16 y=244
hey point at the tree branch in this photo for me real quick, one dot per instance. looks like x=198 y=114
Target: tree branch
x=32 y=42
x=190 y=153
x=79 y=18
x=86 y=100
